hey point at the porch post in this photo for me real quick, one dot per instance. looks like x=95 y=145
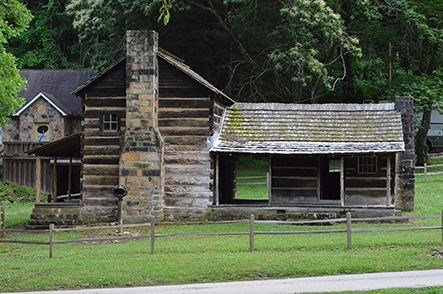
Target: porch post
x=54 y=192
x=217 y=179
x=388 y=182
x=269 y=182
x=38 y=179
x=342 y=180
x=69 y=179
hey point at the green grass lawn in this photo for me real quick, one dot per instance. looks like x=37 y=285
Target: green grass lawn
x=221 y=258
x=258 y=192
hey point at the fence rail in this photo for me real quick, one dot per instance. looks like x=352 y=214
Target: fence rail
x=252 y=233
x=425 y=171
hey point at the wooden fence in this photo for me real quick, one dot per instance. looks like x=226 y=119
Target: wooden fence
x=254 y=178
x=252 y=233
x=425 y=170
x=19 y=167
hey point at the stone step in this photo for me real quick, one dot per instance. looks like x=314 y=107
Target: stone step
x=59 y=214
x=184 y=103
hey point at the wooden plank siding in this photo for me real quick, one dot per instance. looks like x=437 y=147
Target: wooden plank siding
x=21 y=171
x=367 y=189
x=298 y=180
x=294 y=180
x=19 y=168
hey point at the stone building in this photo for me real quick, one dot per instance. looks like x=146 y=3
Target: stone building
x=50 y=113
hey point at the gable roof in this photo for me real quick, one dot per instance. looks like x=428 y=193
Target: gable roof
x=180 y=65
x=311 y=129
x=172 y=60
x=50 y=99
x=56 y=84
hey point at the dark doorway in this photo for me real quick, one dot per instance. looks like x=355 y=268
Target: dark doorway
x=330 y=180
x=63 y=182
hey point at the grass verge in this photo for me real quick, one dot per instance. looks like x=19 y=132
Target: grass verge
x=224 y=258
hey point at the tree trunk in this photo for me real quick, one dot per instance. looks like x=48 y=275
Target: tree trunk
x=421 y=149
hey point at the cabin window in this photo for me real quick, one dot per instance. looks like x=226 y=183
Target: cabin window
x=367 y=165
x=41 y=132
x=110 y=122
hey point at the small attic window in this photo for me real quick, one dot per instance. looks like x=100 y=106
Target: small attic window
x=367 y=165
x=110 y=122
x=41 y=131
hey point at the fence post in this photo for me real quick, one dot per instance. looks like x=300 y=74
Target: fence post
x=2 y=212
x=425 y=171
x=349 y=229
x=51 y=239
x=251 y=233
x=442 y=225
x=152 y=234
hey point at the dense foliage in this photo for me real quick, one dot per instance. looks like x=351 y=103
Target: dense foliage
x=301 y=51
x=14 y=19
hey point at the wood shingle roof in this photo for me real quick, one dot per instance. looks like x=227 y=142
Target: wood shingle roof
x=311 y=129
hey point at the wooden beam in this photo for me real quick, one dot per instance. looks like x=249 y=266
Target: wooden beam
x=38 y=179
x=388 y=182
x=269 y=181
x=70 y=179
x=54 y=192
x=319 y=179
x=342 y=180
x=217 y=179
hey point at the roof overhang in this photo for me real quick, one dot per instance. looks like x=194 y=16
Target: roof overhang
x=66 y=147
x=309 y=148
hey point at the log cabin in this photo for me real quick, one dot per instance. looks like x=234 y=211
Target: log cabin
x=322 y=157
x=152 y=124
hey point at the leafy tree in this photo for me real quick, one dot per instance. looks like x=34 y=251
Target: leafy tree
x=14 y=19
x=50 y=42
x=418 y=35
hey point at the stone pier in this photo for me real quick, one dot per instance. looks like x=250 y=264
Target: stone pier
x=405 y=163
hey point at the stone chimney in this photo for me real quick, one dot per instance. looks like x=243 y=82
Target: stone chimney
x=141 y=161
x=405 y=163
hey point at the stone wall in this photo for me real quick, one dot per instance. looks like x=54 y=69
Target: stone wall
x=21 y=129
x=405 y=163
x=41 y=112
x=11 y=133
x=141 y=161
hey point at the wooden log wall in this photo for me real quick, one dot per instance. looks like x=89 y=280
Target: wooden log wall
x=368 y=189
x=101 y=153
x=294 y=179
x=184 y=127
x=188 y=114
